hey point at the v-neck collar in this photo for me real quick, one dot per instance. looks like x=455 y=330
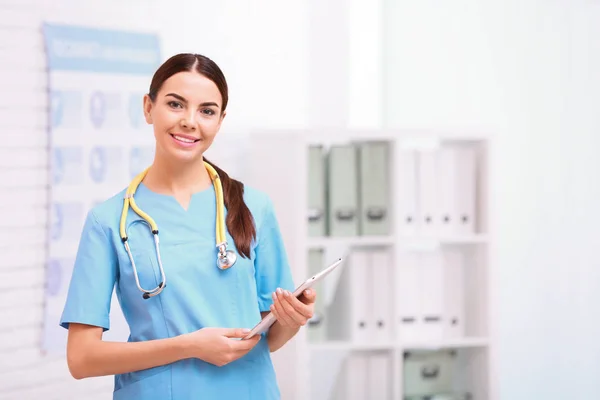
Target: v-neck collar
x=196 y=196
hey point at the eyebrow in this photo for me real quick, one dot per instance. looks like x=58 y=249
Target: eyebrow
x=206 y=104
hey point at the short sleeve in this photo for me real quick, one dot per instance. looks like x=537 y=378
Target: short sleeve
x=93 y=278
x=271 y=264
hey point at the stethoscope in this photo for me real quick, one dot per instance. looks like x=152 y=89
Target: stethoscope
x=225 y=258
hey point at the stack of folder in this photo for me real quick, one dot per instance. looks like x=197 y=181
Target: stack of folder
x=361 y=309
x=430 y=295
x=420 y=298
x=349 y=190
x=437 y=191
x=365 y=376
x=350 y=187
x=431 y=375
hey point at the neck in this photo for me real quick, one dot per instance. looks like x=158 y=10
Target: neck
x=177 y=178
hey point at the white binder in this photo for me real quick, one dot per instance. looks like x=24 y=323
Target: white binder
x=342 y=183
x=408 y=297
x=431 y=295
x=380 y=292
x=362 y=330
x=379 y=384
x=374 y=215
x=316 y=191
x=428 y=208
x=467 y=175
x=454 y=296
x=365 y=376
x=447 y=166
x=353 y=382
x=406 y=172
x=349 y=312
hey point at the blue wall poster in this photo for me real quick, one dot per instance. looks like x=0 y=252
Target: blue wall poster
x=99 y=140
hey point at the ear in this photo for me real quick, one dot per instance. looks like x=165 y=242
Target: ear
x=148 y=109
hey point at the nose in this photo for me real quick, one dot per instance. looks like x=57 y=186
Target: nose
x=188 y=122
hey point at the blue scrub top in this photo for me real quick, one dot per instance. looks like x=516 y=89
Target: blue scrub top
x=197 y=294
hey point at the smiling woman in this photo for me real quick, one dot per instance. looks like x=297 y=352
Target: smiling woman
x=184 y=339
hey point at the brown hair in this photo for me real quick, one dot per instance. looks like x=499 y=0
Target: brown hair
x=240 y=222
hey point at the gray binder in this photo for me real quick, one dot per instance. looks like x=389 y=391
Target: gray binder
x=342 y=180
x=317 y=325
x=428 y=373
x=374 y=189
x=316 y=191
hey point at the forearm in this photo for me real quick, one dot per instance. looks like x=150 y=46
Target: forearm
x=109 y=358
x=279 y=335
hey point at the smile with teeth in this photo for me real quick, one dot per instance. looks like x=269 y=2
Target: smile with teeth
x=184 y=139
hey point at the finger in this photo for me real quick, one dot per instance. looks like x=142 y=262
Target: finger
x=298 y=305
x=289 y=309
x=242 y=346
x=276 y=313
x=284 y=318
x=234 y=332
x=309 y=296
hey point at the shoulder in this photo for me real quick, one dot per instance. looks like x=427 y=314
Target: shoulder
x=260 y=205
x=108 y=211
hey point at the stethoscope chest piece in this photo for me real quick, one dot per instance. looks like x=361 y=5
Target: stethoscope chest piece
x=226 y=259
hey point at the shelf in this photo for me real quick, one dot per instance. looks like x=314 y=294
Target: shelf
x=352 y=241
x=427 y=242
x=411 y=242
x=401 y=267
x=335 y=345
x=447 y=344
x=350 y=346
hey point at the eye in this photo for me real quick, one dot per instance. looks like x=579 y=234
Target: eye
x=209 y=111
x=174 y=104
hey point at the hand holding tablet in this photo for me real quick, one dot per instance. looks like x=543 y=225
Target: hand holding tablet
x=270 y=318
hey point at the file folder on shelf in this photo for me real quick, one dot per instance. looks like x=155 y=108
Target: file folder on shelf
x=454 y=296
x=374 y=187
x=316 y=191
x=467 y=188
x=457 y=179
x=379 y=376
x=317 y=325
x=430 y=296
x=365 y=376
x=353 y=382
x=431 y=293
x=349 y=312
x=428 y=192
x=380 y=292
x=342 y=184
x=447 y=169
x=406 y=179
x=408 y=297
x=428 y=373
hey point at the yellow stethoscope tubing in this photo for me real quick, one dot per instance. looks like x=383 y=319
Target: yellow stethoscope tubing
x=129 y=201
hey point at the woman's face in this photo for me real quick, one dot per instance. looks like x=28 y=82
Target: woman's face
x=186 y=116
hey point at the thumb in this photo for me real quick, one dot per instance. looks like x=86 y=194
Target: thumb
x=235 y=332
x=309 y=296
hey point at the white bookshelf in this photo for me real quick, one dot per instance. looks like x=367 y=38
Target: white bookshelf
x=279 y=165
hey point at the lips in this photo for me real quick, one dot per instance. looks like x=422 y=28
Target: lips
x=184 y=138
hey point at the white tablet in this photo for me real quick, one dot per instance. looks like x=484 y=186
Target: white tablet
x=269 y=319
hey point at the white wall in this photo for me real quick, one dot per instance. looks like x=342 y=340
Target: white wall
x=523 y=70
x=251 y=40
x=527 y=72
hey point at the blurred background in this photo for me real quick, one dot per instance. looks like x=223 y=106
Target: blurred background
x=518 y=79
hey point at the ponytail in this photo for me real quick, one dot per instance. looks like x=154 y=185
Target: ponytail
x=239 y=221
